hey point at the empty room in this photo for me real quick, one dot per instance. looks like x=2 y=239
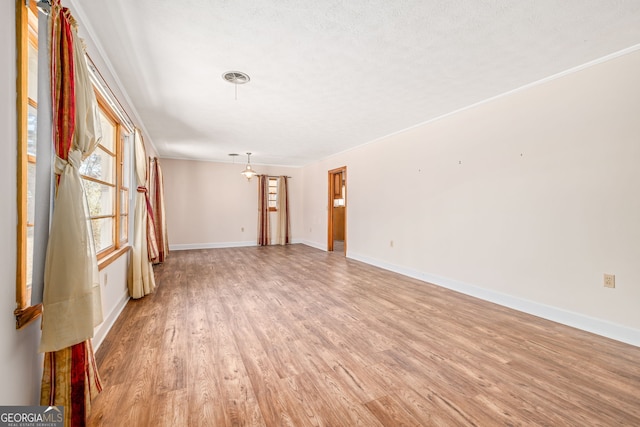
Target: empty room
x=321 y=213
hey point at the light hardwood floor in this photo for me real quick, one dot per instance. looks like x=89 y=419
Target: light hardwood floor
x=296 y=336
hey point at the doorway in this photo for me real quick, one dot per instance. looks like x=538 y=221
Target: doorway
x=337 y=222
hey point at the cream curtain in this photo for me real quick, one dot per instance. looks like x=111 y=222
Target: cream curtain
x=71 y=299
x=141 y=280
x=284 y=225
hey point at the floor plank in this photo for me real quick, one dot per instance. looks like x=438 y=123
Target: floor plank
x=295 y=336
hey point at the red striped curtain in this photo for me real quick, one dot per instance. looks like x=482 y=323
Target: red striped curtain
x=62 y=76
x=264 y=229
x=159 y=219
x=71 y=300
x=70 y=379
x=284 y=223
x=152 y=242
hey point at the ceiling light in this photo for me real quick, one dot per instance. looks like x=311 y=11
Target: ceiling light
x=248 y=172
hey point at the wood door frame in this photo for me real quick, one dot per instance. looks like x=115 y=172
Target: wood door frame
x=331 y=187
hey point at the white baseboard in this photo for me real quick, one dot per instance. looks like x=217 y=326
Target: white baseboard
x=221 y=245
x=580 y=321
x=321 y=246
x=103 y=329
x=211 y=245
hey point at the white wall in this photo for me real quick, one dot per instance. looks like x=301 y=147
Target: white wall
x=20 y=363
x=525 y=200
x=115 y=295
x=210 y=204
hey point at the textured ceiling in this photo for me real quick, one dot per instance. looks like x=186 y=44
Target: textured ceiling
x=330 y=75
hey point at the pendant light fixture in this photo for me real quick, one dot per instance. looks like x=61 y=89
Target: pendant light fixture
x=248 y=172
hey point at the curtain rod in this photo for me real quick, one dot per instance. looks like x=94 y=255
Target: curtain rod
x=109 y=94
x=276 y=176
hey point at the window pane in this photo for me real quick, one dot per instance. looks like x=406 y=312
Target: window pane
x=29 y=261
x=32 y=121
x=100 y=198
x=31 y=191
x=124 y=206
x=32 y=78
x=124 y=228
x=102 y=233
x=273 y=192
x=126 y=171
x=108 y=133
x=99 y=165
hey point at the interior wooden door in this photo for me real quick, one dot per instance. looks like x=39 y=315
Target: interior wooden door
x=337 y=209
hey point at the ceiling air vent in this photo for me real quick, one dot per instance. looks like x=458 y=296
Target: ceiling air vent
x=236 y=77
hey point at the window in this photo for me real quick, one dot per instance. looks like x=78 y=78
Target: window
x=105 y=172
x=106 y=180
x=273 y=194
x=27 y=113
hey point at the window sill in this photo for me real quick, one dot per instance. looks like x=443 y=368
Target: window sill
x=26 y=315
x=104 y=262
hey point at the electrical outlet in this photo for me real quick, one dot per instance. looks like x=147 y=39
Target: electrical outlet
x=609 y=280
x=391 y=243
